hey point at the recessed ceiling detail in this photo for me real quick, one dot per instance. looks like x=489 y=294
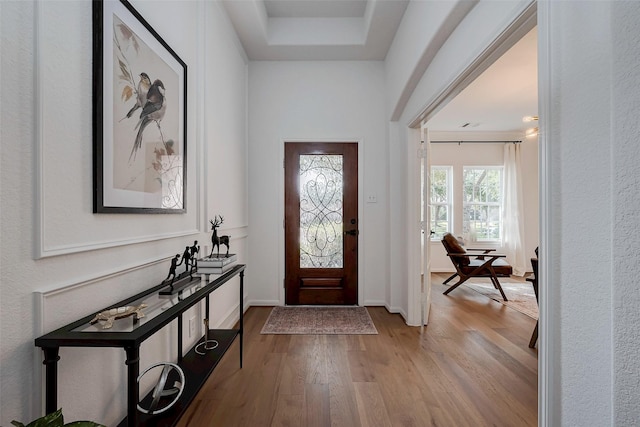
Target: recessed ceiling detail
x=315 y=8
x=350 y=30
x=316 y=29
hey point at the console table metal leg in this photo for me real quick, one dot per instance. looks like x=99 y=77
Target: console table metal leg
x=241 y=313
x=206 y=319
x=180 y=338
x=133 y=370
x=51 y=358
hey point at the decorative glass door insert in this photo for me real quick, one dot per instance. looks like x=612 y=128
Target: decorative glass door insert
x=321 y=213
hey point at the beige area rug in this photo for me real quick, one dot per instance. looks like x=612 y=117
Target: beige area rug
x=520 y=295
x=319 y=320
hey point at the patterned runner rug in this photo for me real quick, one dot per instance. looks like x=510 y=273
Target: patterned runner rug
x=319 y=320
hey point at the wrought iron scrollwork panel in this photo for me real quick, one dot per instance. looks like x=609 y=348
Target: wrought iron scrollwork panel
x=321 y=212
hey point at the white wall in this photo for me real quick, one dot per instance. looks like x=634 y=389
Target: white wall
x=398 y=188
x=224 y=86
x=459 y=155
x=425 y=26
x=90 y=261
x=315 y=101
x=530 y=188
x=591 y=131
x=578 y=287
x=626 y=201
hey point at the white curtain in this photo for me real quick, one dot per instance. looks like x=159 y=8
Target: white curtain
x=513 y=214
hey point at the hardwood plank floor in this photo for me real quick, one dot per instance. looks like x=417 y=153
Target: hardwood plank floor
x=471 y=367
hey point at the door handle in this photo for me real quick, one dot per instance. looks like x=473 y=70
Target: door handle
x=352 y=232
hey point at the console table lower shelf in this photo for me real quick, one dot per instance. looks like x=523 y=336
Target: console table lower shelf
x=196 y=368
x=130 y=332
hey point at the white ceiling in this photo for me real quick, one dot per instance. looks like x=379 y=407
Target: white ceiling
x=500 y=97
x=315 y=8
x=273 y=30
x=315 y=29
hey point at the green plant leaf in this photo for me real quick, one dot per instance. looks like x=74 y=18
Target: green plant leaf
x=53 y=419
x=83 y=424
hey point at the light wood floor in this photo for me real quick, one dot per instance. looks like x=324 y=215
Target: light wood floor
x=471 y=367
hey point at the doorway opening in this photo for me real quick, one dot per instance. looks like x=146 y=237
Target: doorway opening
x=467 y=134
x=463 y=127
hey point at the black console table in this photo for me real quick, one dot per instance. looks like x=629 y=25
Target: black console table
x=129 y=333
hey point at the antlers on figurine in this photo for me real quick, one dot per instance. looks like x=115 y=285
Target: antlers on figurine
x=215 y=240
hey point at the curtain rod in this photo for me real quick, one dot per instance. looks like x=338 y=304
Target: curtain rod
x=475 y=142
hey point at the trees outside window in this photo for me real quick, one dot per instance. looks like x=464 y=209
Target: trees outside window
x=482 y=203
x=441 y=196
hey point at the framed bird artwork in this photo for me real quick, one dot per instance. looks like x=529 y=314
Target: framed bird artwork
x=139 y=115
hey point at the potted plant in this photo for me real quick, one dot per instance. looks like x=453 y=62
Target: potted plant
x=55 y=419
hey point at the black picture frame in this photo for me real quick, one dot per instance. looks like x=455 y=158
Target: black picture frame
x=139 y=115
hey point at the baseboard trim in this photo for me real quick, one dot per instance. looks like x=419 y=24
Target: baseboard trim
x=262 y=303
x=397 y=310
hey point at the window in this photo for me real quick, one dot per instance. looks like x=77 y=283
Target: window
x=482 y=203
x=440 y=201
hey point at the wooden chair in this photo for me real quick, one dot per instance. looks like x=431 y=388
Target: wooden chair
x=534 y=282
x=469 y=265
x=484 y=252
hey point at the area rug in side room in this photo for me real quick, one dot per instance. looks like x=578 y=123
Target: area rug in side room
x=520 y=295
x=319 y=320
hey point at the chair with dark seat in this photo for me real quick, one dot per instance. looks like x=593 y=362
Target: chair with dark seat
x=534 y=282
x=468 y=265
x=479 y=256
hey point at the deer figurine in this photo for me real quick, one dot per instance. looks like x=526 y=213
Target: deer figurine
x=215 y=240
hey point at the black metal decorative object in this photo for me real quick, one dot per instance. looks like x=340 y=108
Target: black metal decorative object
x=186 y=257
x=160 y=390
x=216 y=240
x=207 y=344
x=194 y=251
x=172 y=269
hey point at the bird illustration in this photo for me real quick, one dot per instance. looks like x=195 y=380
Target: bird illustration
x=153 y=110
x=141 y=93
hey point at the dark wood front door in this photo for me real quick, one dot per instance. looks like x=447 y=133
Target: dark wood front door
x=321 y=223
